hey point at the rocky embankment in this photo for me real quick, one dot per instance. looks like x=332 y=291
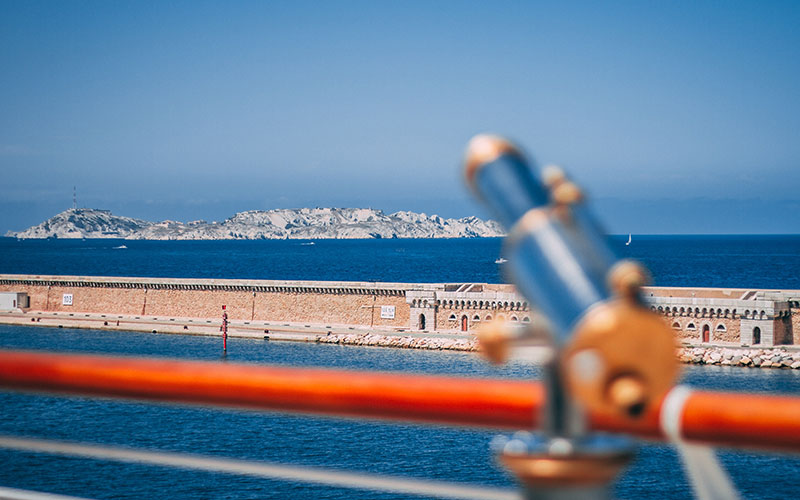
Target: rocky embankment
x=756 y=358
x=405 y=342
x=724 y=356
x=304 y=223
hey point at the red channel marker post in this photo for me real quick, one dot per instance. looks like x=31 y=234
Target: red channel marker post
x=224 y=330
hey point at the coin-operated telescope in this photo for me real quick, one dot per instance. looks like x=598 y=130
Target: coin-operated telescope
x=611 y=355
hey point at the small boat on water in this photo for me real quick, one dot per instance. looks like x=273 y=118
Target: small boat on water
x=501 y=261
x=121 y=247
x=308 y=243
x=629 y=240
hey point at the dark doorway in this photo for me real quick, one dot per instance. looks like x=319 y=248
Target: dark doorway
x=464 y=323
x=706 y=333
x=756 y=335
x=421 y=321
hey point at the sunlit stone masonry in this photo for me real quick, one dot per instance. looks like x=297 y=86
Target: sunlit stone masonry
x=699 y=316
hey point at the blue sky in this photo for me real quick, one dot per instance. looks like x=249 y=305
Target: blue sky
x=677 y=117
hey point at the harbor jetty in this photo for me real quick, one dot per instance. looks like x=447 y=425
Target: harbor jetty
x=737 y=327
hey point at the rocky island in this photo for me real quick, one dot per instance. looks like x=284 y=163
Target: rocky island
x=304 y=223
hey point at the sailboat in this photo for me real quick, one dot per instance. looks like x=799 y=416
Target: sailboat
x=629 y=240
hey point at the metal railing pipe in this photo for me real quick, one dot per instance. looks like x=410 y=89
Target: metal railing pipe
x=725 y=419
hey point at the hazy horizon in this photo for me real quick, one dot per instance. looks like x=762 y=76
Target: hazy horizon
x=607 y=232
x=679 y=118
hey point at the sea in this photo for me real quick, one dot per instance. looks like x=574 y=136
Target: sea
x=417 y=451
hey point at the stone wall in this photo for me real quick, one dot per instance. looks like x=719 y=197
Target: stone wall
x=735 y=316
x=795 y=322
x=698 y=293
x=452 y=318
x=783 y=330
x=270 y=301
x=690 y=329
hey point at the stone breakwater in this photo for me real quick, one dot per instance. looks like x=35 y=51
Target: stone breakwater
x=404 y=342
x=756 y=358
x=723 y=356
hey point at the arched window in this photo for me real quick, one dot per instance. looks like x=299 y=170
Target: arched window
x=691 y=326
x=756 y=335
x=488 y=317
x=721 y=328
x=514 y=318
x=676 y=325
x=526 y=319
x=476 y=318
x=452 y=317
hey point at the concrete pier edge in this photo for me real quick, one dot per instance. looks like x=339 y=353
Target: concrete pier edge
x=721 y=355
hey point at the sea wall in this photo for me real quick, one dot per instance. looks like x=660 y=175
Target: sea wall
x=402 y=342
x=700 y=316
x=755 y=358
x=315 y=302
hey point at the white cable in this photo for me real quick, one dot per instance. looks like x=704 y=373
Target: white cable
x=328 y=477
x=709 y=480
x=15 y=494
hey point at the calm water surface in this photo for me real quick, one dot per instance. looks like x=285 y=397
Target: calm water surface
x=419 y=451
x=389 y=448
x=712 y=261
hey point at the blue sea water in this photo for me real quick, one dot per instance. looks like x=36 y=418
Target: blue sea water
x=389 y=448
x=771 y=261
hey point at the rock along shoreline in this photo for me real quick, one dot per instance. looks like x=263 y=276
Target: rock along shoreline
x=751 y=357
x=722 y=356
x=400 y=342
x=741 y=356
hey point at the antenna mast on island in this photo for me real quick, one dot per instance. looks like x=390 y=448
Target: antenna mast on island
x=74 y=198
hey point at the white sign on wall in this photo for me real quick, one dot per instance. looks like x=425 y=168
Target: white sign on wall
x=67 y=299
x=387 y=312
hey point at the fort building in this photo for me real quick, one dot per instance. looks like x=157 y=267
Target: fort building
x=697 y=315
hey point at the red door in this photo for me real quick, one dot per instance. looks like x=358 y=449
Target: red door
x=706 y=333
x=463 y=323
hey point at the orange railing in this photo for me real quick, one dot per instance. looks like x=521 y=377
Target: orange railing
x=727 y=419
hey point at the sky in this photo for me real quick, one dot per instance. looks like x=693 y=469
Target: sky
x=676 y=117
